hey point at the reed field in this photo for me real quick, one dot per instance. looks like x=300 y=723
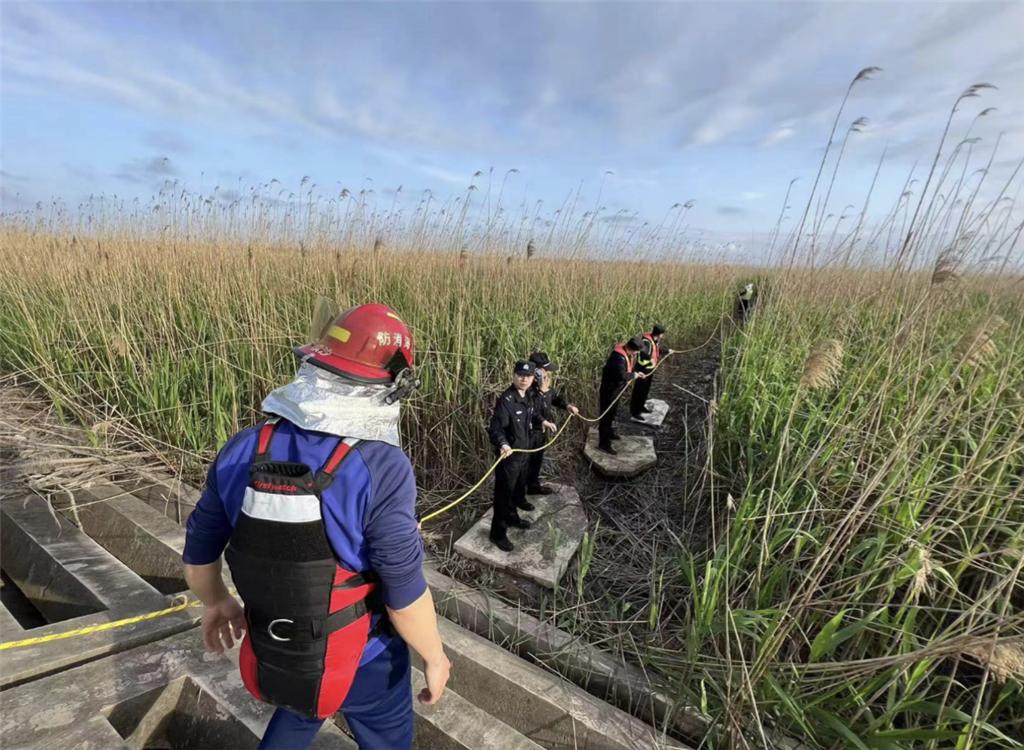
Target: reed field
x=855 y=580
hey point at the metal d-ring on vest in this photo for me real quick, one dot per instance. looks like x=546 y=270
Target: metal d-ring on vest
x=270 y=628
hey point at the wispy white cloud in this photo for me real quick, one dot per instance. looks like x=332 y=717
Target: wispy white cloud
x=783 y=132
x=444 y=175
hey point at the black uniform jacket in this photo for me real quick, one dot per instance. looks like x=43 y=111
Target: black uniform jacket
x=615 y=373
x=510 y=424
x=542 y=403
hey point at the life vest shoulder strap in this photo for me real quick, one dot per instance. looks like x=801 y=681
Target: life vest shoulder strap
x=341 y=450
x=263 y=442
x=344 y=447
x=621 y=349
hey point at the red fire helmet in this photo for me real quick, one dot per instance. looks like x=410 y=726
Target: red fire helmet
x=367 y=344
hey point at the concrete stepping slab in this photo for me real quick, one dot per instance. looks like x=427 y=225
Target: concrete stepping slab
x=635 y=454
x=542 y=552
x=164 y=493
x=453 y=723
x=654 y=418
x=597 y=672
x=62 y=571
x=138 y=535
x=541 y=705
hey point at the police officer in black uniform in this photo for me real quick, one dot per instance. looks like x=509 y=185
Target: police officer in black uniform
x=617 y=372
x=510 y=429
x=544 y=399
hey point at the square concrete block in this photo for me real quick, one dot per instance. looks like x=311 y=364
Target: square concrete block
x=534 y=557
x=635 y=455
x=656 y=417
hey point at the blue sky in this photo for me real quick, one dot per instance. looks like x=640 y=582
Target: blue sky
x=721 y=102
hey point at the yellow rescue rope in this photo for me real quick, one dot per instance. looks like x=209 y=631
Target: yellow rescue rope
x=99 y=628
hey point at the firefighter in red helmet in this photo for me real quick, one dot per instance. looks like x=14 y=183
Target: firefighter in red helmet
x=314 y=510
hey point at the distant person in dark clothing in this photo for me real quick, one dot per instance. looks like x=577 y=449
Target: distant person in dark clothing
x=646 y=362
x=745 y=302
x=618 y=371
x=510 y=430
x=544 y=399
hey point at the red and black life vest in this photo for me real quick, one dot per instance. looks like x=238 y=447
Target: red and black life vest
x=621 y=349
x=308 y=618
x=655 y=352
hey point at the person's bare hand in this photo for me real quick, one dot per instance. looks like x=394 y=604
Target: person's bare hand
x=549 y=426
x=219 y=620
x=573 y=409
x=436 y=674
x=506 y=450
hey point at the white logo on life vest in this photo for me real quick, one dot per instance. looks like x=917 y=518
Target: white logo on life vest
x=282 y=508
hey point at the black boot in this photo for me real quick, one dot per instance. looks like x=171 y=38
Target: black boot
x=539 y=490
x=527 y=505
x=519 y=523
x=645 y=410
x=607 y=448
x=637 y=417
x=616 y=436
x=503 y=544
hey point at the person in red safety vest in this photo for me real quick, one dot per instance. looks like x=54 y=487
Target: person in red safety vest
x=618 y=371
x=314 y=511
x=646 y=361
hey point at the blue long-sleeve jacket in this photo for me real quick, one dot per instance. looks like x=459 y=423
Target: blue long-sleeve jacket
x=369 y=509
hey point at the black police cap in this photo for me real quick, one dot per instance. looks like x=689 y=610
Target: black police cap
x=541 y=362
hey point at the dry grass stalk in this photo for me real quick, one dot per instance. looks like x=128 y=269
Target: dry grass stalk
x=976 y=346
x=1005 y=659
x=946 y=267
x=119 y=345
x=921 y=583
x=822 y=366
x=531 y=248
x=904 y=335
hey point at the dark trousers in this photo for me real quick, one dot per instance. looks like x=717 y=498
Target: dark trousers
x=378 y=708
x=605 y=430
x=534 y=461
x=641 y=390
x=509 y=493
